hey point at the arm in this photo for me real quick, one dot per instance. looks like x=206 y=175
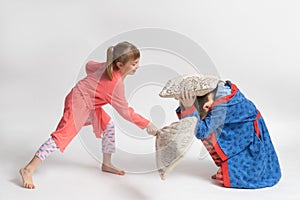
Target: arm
x=119 y=102
x=212 y=123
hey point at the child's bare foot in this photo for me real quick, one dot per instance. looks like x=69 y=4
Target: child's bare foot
x=112 y=169
x=27 y=178
x=214 y=176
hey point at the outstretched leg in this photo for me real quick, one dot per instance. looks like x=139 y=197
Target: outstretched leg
x=43 y=152
x=76 y=112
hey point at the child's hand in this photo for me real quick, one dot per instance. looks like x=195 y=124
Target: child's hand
x=151 y=129
x=169 y=129
x=187 y=99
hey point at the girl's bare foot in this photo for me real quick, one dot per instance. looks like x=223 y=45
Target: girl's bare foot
x=27 y=178
x=112 y=169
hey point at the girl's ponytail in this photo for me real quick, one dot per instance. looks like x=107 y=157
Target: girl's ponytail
x=110 y=62
x=122 y=52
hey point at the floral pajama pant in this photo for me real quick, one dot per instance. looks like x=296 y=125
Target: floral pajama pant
x=108 y=143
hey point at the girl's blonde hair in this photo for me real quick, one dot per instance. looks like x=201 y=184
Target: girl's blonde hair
x=122 y=52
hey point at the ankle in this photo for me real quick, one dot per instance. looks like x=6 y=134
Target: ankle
x=107 y=164
x=28 y=169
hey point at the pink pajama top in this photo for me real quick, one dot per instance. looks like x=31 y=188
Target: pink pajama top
x=98 y=90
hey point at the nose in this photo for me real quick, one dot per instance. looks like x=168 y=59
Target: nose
x=207 y=106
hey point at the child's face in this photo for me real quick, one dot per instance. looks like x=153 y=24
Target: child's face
x=130 y=67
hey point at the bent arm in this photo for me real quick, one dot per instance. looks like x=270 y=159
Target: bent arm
x=212 y=123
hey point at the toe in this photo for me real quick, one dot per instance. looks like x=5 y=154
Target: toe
x=121 y=173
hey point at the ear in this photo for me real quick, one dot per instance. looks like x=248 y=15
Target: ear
x=119 y=65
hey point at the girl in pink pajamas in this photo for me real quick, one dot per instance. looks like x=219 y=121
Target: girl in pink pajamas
x=83 y=106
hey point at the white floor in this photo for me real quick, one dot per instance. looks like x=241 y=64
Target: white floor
x=43 y=44
x=76 y=175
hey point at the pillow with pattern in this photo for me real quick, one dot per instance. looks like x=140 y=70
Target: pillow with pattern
x=198 y=83
x=172 y=142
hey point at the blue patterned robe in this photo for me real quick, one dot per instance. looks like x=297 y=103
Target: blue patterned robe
x=239 y=136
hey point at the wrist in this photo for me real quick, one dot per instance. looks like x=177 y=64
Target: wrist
x=187 y=111
x=149 y=124
x=186 y=107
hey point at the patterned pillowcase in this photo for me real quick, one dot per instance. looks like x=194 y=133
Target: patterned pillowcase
x=199 y=83
x=172 y=142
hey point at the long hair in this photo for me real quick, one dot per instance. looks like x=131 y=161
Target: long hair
x=122 y=52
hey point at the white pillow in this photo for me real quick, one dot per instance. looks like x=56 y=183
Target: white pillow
x=198 y=83
x=172 y=142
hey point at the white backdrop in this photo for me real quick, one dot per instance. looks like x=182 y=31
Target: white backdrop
x=43 y=45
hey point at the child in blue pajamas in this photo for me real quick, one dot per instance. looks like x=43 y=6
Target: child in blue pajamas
x=235 y=135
